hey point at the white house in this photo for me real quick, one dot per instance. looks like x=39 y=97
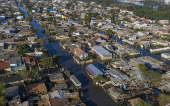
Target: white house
x=165 y=55
x=20 y=17
x=38 y=52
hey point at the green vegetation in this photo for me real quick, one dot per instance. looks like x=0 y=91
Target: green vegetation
x=56 y=59
x=28 y=19
x=68 y=5
x=50 y=19
x=67 y=72
x=3 y=93
x=166 y=38
x=87 y=19
x=163 y=99
x=41 y=41
x=24 y=73
x=72 y=39
x=99 y=79
x=142 y=103
x=35 y=72
x=23 y=48
x=71 y=29
x=149 y=73
x=46 y=61
x=1 y=36
x=109 y=32
x=159 y=46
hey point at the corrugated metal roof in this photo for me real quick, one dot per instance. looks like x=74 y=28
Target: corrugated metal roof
x=94 y=70
x=102 y=51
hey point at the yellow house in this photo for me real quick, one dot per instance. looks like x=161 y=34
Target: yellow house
x=64 y=17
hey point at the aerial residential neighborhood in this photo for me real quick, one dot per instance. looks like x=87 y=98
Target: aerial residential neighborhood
x=84 y=53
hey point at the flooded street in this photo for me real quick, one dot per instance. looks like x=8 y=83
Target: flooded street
x=93 y=95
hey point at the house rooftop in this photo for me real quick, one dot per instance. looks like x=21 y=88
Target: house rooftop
x=94 y=70
x=17 y=59
x=58 y=102
x=4 y=65
x=39 y=87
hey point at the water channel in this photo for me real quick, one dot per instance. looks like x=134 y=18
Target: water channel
x=93 y=95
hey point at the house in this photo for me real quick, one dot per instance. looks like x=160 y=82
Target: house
x=58 y=102
x=56 y=77
x=93 y=71
x=164 y=21
x=98 y=39
x=160 y=42
x=20 y=17
x=116 y=94
x=38 y=52
x=60 y=86
x=91 y=43
x=16 y=101
x=5 y=66
x=32 y=38
x=35 y=88
x=17 y=63
x=103 y=53
x=50 y=10
x=59 y=94
x=80 y=53
x=29 y=61
x=165 y=55
x=117 y=77
x=75 y=81
x=4 y=57
x=2 y=17
x=12 y=91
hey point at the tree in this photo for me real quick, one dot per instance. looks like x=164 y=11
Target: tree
x=46 y=61
x=24 y=73
x=1 y=36
x=50 y=19
x=109 y=32
x=28 y=19
x=3 y=93
x=56 y=58
x=71 y=29
x=23 y=48
x=68 y=5
x=42 y=19
x=35 y=72
x=41 y=41
x=67 y=72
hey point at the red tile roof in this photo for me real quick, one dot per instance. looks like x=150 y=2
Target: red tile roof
x=32 y=61
x=27 y=59
x=95 y=38
x=4 y=65
x=78 y=51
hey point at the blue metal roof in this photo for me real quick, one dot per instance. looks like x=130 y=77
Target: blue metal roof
x=94 y=70
x=49 y=10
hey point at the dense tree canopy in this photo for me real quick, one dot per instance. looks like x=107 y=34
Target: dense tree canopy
x=23 y=48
